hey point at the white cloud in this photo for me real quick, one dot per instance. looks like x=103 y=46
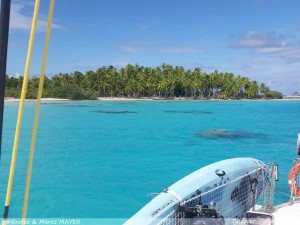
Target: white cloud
x=148 y=24
x=290 y=53
x=270 y=43
x=276 y=72
x=271 y=50
x=270 y=57
x=148 y=48
x=17 y=74
x=180 y=50
x=260 y=40
x=19 y=20
x=132 y=50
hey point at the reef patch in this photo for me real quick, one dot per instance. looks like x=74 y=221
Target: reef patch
x=224 y=134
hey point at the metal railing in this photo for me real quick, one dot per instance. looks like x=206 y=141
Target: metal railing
x=254 y=190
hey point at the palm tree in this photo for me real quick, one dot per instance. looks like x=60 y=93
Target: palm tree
x=139 y=81
x=263 y=89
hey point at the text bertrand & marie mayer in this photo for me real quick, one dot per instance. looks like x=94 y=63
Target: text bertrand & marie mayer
x=45 y=221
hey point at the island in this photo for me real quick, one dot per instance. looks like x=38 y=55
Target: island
x=138 y=82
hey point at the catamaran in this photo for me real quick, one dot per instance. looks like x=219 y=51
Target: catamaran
x=214 y=194
x=232 y=191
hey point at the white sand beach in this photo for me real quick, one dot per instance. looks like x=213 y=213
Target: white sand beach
x=9 y=100
x=188 y=99
x=143 y=99
x=125 y=99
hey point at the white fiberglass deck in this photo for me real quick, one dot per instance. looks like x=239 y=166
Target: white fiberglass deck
x=287 y=214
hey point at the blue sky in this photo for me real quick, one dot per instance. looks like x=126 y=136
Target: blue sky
x=255 y=38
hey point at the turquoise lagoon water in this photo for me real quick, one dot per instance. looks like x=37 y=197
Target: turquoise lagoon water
x=100 y=159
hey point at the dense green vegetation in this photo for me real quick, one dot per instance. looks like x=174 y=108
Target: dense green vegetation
x=274 y=95
x=138 y=81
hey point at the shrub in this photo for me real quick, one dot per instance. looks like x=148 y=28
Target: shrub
x=72 y=92
x=274 y=95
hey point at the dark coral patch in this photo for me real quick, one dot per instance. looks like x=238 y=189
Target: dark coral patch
x=224 y=134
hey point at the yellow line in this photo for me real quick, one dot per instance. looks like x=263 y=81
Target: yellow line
x=37 y=111
x=21 y=107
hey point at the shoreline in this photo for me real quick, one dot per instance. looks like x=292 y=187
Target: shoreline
x=12 y=100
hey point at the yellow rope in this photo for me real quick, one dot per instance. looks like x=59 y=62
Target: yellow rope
x=21 y=109
x=37 y=111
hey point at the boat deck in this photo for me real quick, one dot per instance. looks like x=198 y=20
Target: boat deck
x=287 y=214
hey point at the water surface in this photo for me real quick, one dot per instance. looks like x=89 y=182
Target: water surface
x=97 y=160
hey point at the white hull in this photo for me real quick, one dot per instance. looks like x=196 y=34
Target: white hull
x=202 y=181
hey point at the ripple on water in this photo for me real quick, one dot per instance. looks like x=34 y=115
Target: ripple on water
x=230 y=104
x=114 y=111
x=125 y=103
x=52 y=103
x=187 y=111
x=73 y=106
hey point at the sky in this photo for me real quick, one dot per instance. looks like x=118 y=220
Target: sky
x=259 y=39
